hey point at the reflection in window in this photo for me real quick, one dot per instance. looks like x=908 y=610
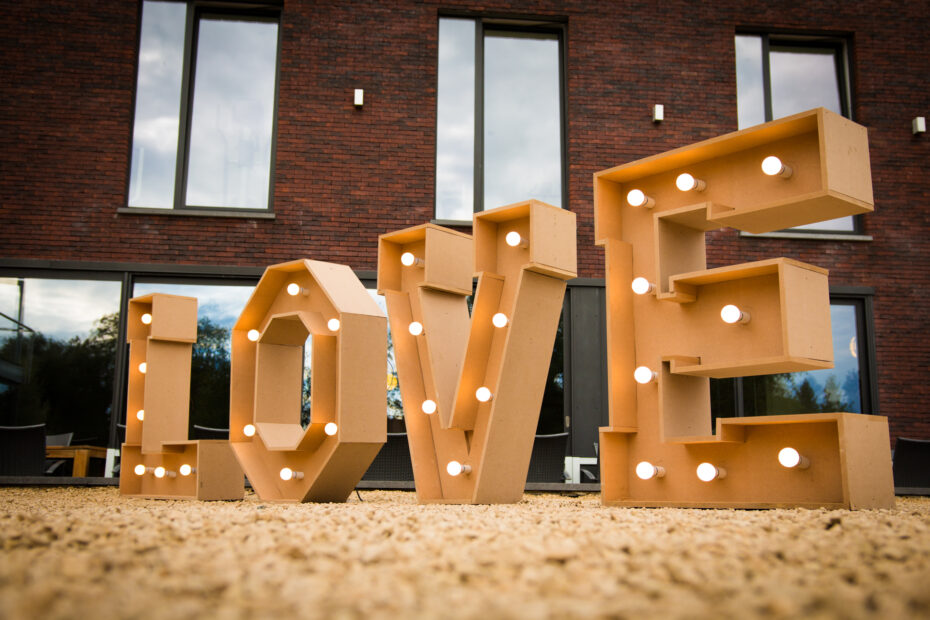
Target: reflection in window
x=221 y=144
x=515 y=133
x=218 y=309
x=58 y=341
x=781 y=76
x=840 y=388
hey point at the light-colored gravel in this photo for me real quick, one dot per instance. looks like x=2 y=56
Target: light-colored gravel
x=90 y=554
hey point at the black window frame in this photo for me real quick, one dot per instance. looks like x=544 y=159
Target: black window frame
x=196 y=11
x=516 y=24
x=841 y=46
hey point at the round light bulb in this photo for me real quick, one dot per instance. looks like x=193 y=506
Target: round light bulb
x=185 y=469
x=139 y=469
x=159 y=472
x=253 y=335
x=731 y=315
x=289 y=474
x=415 y=328
x=707 y=472
x=483 y=394
x=293 y=289
x=248 y=430
x=428 y=406
x=140 y=414
x=791 y=458
x=638 y=198
x=454 y=468
x=407 y=259
x=143 y=367
x=147 y=318
x=513 y=239
x=647 y=471
x=641 y=286
x=686 y=182
x=331 y=428
x=773 y=166
x=499 y=320
x=644 y=375
x=333 y=325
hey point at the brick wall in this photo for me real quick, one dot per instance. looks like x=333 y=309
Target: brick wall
x=343 y=176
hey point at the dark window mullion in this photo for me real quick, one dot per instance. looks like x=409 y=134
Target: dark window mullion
x=479 y=117
x=187 y=88
x=766 y=79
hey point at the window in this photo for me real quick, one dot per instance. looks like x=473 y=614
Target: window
x=780 y=75
x=58 y=346
x=205 y=107
x=845 y=387
x=499 y=116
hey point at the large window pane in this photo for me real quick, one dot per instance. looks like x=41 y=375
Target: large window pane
x=218 y=308
x=455 y=123
x=836 y=389
x=803 y=79
x=58 y=342
x=233 y=113
x=158 y=100
x=750 y=101
x=522 y=119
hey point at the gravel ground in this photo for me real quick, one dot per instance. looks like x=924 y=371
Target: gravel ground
x=89 y=553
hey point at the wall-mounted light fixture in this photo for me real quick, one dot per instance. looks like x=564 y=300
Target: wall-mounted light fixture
x=658 y=113
x=359 y=97
x=919 y=125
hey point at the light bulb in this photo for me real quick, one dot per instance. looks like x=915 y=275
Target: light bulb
x=140 y=414
x=641 y=286
x=644 y=375
x=707 y=472
x=499 y=320
x=514 y=239
x=253 y=335
x=773 y=166
x=160 y=472
x=407 y=259
x=647 y=471
x=637 y=198
x=143 y=367
x=139 y=469
x=186 y=470
x=293 y=289
x=415 y=328
x=454 y=468
x=428 y=406
x=147 y=318
x=483 y=394
x=333 y=325
x=731 y=315
x=289 y=474
x=248 y=430
x=792 y=459
x=686 y=182
x=331 y=428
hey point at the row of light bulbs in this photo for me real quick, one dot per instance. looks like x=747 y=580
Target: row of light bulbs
x=686 y=182
x=729 y=314
x=788 y=457
x=161 y=472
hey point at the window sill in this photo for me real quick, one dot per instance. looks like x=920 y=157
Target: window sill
x=465 y=223
x=825 y=236
x=238 y=213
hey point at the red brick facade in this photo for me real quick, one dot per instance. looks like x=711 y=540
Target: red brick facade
x=344 y=175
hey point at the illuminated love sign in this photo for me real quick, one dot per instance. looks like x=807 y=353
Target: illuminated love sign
x=328 y=304
x=472 y=386
x=157 y=459
x=673 y=324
